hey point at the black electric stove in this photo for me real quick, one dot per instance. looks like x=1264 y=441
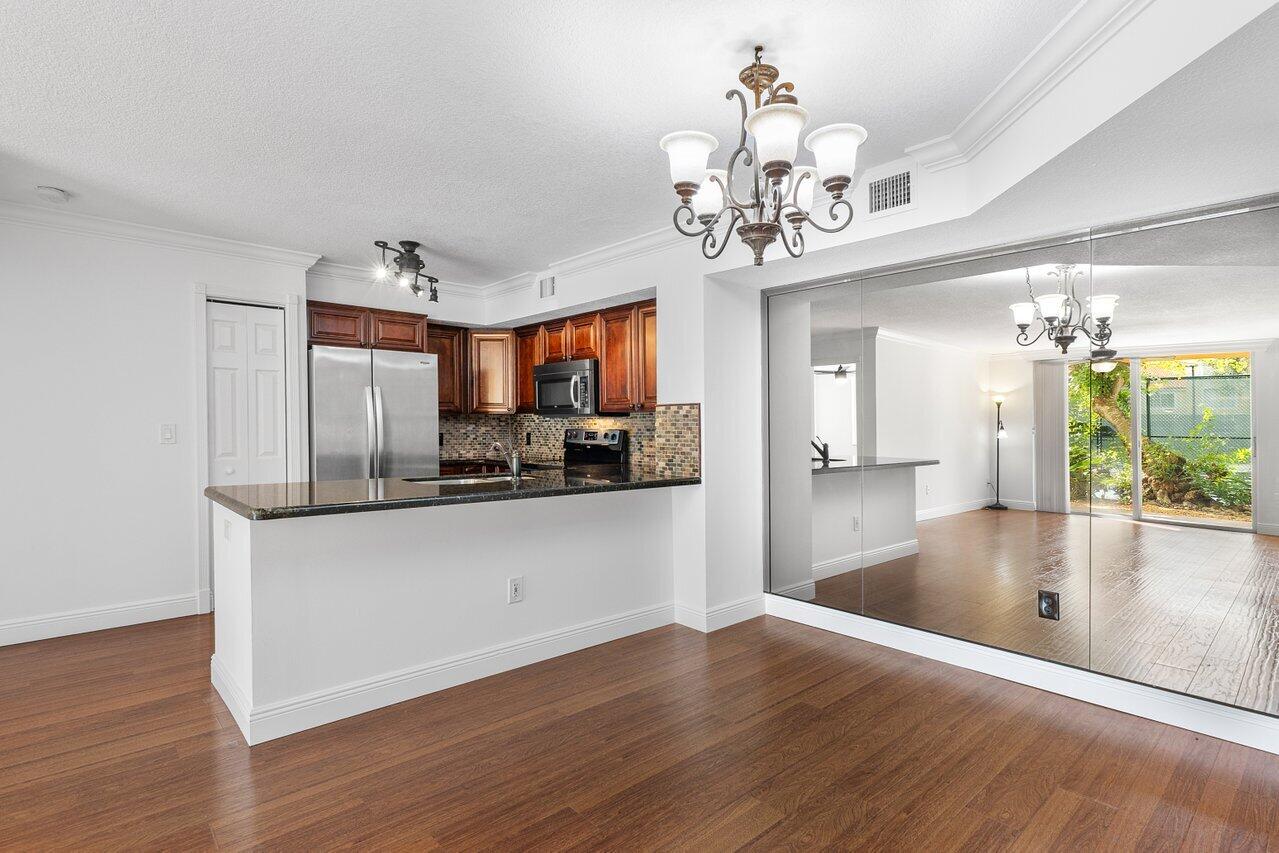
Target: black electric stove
x=596 y=456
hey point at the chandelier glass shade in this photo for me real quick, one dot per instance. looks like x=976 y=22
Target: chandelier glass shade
x=405 y=269
x=774 y=193
x=1061 y=316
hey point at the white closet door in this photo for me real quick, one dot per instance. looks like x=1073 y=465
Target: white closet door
x=246 y=394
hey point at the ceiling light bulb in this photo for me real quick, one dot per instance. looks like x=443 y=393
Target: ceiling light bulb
x=835 y=149
x=776 y=129
x=1103 y=306
x=998 y=399
x=1023 y=313
x=688 y=151
x=380 y=272
x=709 y=198
x=804 y=189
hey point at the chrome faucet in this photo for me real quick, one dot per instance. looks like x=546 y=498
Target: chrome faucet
x=512 y=457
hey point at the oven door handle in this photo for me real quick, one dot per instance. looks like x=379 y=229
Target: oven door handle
x=575 y=391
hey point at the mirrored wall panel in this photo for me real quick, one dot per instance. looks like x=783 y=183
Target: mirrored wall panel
x=1062 y=452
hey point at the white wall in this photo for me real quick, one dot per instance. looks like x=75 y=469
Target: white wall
x=99 y=518
x=931 y=402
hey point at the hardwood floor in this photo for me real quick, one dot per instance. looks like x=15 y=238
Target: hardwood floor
x=1191 y=609
x=762 y=735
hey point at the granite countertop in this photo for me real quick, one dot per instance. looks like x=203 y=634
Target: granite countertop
x=332 y=497
x=871 y=463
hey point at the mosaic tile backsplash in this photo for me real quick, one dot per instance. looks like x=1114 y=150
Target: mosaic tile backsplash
x=666 y=441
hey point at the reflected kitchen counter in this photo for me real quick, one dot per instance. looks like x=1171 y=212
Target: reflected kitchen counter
x=870 y=463
x=332 y=497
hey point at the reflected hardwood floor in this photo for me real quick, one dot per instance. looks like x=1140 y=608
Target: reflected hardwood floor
x=762 y=735
x=1185 y=608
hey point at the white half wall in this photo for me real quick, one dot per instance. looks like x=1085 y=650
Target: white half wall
x=99 y=518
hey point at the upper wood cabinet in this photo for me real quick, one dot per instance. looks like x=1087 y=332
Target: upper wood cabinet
x=397 y=330
x=528 y=354
x=619 y=378
x=491 y=361
x=330 y=324
x=554 y=341
x=337 y=325
x=646 y=337
x=448 y=343
x=583 y=336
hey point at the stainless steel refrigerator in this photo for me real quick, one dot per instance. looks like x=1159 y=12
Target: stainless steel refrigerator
x=374 y=413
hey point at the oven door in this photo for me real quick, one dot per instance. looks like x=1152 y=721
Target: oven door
x=559 y=393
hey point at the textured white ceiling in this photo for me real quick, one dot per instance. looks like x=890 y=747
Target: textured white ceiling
x=504 y=135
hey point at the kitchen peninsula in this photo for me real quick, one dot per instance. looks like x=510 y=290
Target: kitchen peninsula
x=339 y=597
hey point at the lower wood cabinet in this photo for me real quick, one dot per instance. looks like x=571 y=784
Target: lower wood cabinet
x=491 y=364
x=448 y=343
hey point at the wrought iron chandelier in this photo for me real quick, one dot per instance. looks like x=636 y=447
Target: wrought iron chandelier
x=1061 y=316
x=406 y=268
x=777 y=188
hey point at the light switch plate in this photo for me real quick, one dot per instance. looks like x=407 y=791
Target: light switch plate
x=168 y=433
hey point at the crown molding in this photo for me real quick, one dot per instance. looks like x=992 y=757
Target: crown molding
x=1084 y=31
x=363 y=277
x=115 y=229
x=513 y=284
x=624 y=250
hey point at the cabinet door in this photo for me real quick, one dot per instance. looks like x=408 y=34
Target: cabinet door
x=492 y=369
x=337 y=325
x=554 y=341
x=646 y=339
x=619 y=378
x=448 y=342
x=528 y=354
x=397 y=330
x=583 y=335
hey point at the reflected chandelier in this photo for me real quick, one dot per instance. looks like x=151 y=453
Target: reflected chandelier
x=776 y=189
x=1061 y=316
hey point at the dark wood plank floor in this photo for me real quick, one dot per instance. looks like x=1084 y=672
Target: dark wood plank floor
x=1191 y=609
x=763 y=735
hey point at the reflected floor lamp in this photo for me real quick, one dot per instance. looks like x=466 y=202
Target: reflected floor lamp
x=1000 y=435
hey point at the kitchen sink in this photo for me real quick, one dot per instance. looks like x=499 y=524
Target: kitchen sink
x=469 y=481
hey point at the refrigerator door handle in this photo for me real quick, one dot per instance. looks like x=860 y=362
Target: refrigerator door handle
x=381 y=432
x=369 y=419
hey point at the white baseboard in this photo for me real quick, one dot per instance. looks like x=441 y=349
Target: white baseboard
x=862 y=559
x=720 y=616
x=804 y=589
x=951 y=509
x=232 y=696
x=277 y=719
x=95 y=619
x=1012 y=503
x=1198 y=715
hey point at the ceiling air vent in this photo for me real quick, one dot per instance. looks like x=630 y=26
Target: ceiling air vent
x=546 y=287
x=890 y=192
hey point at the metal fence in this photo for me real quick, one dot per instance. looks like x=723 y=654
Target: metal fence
x=1175 y=409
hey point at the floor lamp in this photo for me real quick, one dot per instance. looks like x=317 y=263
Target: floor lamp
x=1000 y=435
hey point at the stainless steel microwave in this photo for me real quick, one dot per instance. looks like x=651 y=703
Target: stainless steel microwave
x=566 y=388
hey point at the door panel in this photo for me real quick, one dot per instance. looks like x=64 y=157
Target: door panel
x=341 y=433
x=397 y=330
x=554 y=341
x=337 y=325
x=528 y=354
x=647 y=359
x=447 y=343
x=246 y=422
x=492 y=366
x=406 y=401
x=583 y=336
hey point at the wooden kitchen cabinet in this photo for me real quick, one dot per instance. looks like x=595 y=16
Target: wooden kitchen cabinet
x=554 y=341
x=397 y=330
x=628 y=362
x=619 y=380
x=330 y=324
x=337 y=325
x=448 y=343
x=646 y=359
x=582 y=336
x=528 y=354
x=491 y=365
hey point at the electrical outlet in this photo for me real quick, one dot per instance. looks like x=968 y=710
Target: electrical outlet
x=928 y=488
x=857 y=523
x=168 y=433
x=1049 y=605
x=528 y=439
x=514 y=590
